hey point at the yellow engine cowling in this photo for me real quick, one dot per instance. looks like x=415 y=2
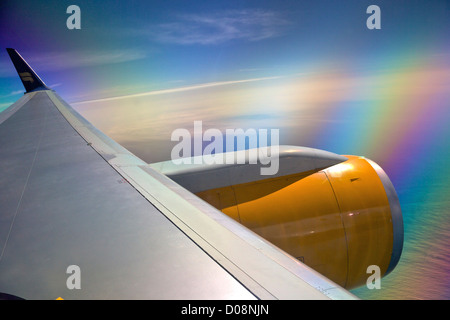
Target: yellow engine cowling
x=338 y=221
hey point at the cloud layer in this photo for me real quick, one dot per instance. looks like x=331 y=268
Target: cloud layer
x=217 y=28
x=54 y=61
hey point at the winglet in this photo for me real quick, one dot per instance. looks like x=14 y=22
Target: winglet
x=30 y=79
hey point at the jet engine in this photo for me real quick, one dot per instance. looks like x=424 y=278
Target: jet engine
x=337 y=214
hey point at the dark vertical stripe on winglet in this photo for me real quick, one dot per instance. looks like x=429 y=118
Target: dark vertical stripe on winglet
x=30 y=79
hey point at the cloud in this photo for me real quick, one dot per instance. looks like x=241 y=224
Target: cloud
x=53 y=61
x=217 y=28
x=12 y=93
x=66 y=60
x=180 y=89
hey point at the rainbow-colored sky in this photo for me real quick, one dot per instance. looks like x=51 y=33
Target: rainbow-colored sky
x=140 y=69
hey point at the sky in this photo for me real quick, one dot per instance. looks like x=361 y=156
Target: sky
x=126 y=47
x=312 y=69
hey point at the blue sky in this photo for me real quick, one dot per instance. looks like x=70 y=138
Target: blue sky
x=135 y=46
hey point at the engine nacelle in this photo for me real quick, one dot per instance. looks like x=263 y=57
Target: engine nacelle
x=339 y=220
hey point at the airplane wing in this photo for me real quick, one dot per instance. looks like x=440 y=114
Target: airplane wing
x=71 y=196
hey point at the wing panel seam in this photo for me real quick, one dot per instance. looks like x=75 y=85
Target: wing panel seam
x=25 y=185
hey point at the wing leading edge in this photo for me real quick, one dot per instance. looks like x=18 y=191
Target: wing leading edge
x=72 y=196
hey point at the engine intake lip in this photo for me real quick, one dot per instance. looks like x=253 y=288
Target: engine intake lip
x=396 y=213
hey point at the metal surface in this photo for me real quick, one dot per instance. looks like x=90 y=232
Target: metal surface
x=70 y=195
x=396 y=213
x=8 y=112
x=298 y=213
x=267 y=271
x=62 y=204
x=366 y=217
x=337 y=221
x=201 y=177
